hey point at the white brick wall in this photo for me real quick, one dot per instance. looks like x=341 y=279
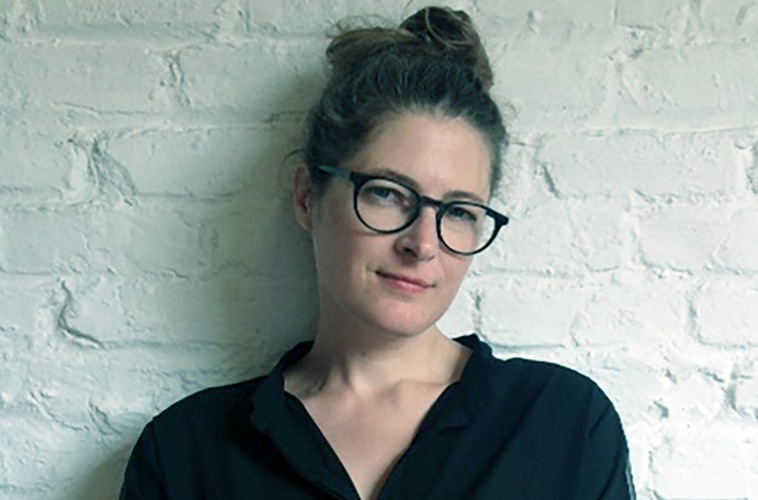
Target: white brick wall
x=147 y=251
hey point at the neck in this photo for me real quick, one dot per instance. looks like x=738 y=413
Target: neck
x=372 y=362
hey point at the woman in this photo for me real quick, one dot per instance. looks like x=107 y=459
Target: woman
x=403 y=154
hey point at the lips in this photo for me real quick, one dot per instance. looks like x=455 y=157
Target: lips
x=402 y=279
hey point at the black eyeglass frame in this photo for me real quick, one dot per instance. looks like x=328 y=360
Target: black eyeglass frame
x=441 y=207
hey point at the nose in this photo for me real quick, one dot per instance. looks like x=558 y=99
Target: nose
x=420 y=240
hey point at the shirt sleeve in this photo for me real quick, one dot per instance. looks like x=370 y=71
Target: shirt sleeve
x=606 y=471
x=143 y=479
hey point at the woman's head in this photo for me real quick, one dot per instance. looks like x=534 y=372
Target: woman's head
x=432 y=64
x=406 y=113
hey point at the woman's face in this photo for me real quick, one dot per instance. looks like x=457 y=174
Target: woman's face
x=394 y=283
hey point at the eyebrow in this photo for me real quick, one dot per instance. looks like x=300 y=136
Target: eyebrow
x=456 y=194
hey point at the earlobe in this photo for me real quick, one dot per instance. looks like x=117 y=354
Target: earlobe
x=301 y=197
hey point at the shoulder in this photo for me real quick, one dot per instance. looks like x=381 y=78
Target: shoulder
x=541 y=374
x=200 y=425
x=213 y=395
x=548 y=388
x=515 y=381
x=206 y=408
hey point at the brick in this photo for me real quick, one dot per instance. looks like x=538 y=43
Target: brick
x=582 y=12
x=726 y=314
x=697 y=361
x=102 y=78
x=560 y=236
x=552 y=85
x=602 y=236
x=261 y=239
x=694 y=398
x=36 y=157
x=629 y=314
x=15 y=17
x=62 y=393
x=317 y=16
x=101 y=241
x=68 y=389
x=21 y=303
x=530 y=311
x=696 y=87
x=705 y=466
x=127 y=406
x=539 y=239
x=740 y=250
x=57 y=461
x=671 y=15
x=745 y=368
x=204 y=162
x=120 y=19
x=684 y=237
x=645 y=162
x=732 y=19
x=262 y=78
x=221 y=310
x=29 y=252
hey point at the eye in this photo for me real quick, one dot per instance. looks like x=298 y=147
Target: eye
x=381 y=193
x=462 y=213
x=386 y=194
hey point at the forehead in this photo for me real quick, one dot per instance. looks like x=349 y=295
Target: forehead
x=441 y=154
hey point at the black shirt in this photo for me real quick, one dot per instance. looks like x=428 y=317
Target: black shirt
x=513 y=429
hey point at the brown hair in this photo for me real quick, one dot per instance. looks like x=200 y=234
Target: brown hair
x=434 y=63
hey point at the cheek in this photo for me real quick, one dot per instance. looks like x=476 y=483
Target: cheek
x=457 y=269
x=333 y=211
x=336 y=237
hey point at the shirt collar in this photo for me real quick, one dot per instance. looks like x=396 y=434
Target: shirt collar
x=470 y=391
x=269 y=396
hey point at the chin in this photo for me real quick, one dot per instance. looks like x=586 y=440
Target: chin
x=402 y=322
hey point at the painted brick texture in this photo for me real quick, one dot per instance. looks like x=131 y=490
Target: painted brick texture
x=147 y=250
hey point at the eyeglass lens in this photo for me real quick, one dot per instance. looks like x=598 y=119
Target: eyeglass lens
x=387 y=206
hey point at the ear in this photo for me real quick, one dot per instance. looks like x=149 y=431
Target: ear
x=302 y=197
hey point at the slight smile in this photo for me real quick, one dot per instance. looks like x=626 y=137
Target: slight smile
x=405 y=283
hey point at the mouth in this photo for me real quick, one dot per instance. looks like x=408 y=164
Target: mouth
x=404 y=282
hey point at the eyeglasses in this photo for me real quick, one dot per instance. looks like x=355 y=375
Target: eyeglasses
x=387 y=206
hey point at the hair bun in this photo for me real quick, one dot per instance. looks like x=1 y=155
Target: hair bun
x=451 y=33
